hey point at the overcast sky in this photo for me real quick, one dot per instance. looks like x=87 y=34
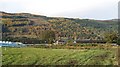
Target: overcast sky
x=92 y=9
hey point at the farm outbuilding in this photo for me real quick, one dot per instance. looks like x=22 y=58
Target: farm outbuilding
x=90 y=41
x=11 y=44
x=60 y=42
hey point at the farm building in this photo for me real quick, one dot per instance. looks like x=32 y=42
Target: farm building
x=11 y=44
x=90 y=41
x=60 y=42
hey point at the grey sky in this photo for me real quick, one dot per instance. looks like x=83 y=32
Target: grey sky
x=93 y=9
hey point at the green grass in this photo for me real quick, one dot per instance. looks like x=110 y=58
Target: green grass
x=43 y=56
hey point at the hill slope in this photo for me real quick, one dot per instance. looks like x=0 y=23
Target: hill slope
x=30 y=26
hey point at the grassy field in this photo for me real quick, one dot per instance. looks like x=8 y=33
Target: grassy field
x=43 y=56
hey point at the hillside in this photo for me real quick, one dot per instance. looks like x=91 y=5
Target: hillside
x=30 y=27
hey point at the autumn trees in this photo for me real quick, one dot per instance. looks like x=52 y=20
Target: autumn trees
x=111 y=37
x=37 y=27
x=47 y=36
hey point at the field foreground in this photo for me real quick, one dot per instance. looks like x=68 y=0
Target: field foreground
x=43 y=56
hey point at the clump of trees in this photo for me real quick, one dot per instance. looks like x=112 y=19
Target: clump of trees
x=111 y=37
x=118 y=40
x=48 y=36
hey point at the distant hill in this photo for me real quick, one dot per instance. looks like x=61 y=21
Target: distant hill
x=17 y=26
